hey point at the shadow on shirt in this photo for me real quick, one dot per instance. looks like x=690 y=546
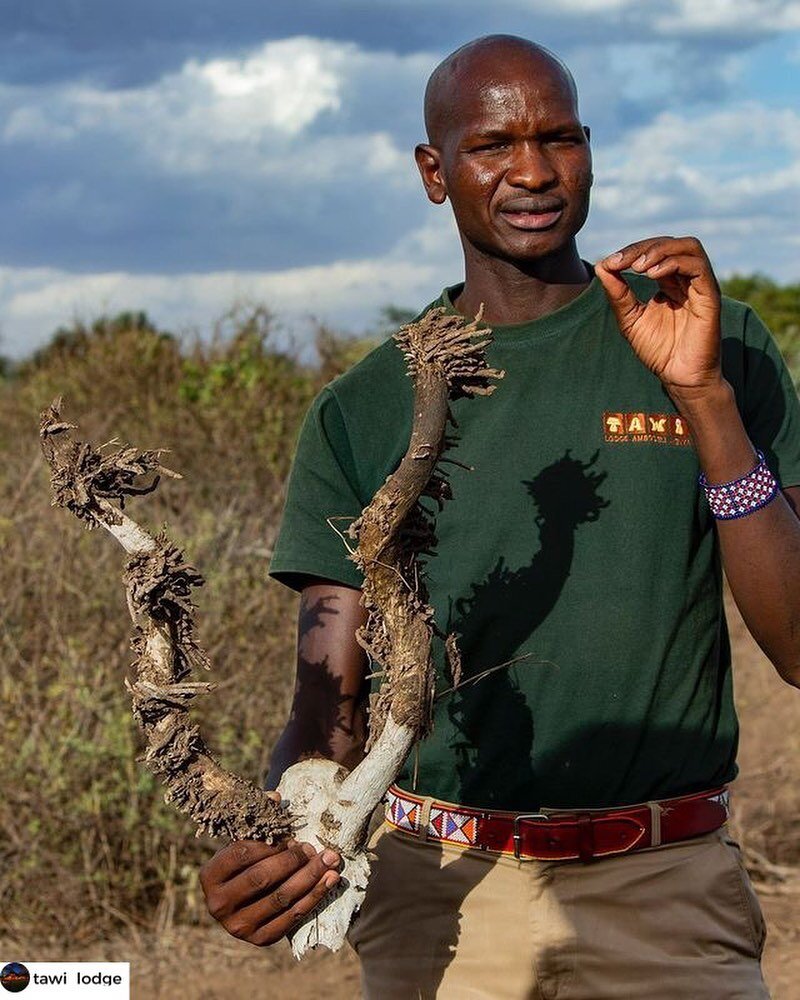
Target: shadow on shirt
x=565 y=495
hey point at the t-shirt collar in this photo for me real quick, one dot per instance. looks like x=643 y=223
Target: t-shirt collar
x=562 y=319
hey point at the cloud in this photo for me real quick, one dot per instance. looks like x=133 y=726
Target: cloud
x=129 y=45
x=290 y=154
x=167 y=157
x=676 y=176
x=682 y=163
x=295 y=152
x=347 y=294
x=673 y=175
x=273 y=94
x=739 y=17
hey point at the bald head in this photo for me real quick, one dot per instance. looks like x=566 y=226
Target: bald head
x=478 y=61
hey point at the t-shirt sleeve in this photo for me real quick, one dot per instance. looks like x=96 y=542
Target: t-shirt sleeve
x=322 y=484
x=770 y=407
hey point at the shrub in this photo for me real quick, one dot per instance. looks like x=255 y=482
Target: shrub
x=88 y=844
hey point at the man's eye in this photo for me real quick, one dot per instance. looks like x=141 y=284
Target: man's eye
x=497 y=144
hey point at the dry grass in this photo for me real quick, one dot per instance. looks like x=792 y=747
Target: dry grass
x=93 y=862
x=767 y=793
x=88 y=846
x=766 y=801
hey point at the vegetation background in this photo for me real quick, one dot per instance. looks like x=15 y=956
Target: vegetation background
x=93 y=864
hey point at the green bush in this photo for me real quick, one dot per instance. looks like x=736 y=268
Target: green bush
x=778 y=306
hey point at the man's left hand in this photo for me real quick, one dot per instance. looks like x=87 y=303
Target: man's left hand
x=676 y=334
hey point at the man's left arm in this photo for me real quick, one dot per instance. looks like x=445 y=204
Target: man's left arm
x=677 y=336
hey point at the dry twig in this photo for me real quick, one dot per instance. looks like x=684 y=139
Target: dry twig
x=319 y=797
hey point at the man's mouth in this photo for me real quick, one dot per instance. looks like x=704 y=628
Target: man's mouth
x=527 y=213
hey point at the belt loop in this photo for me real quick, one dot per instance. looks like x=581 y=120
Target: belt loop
x=585 y=837
x=424 y=818
x=655 y=823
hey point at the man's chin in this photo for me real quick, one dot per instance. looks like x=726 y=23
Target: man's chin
x=521 y=247
x=528 y=251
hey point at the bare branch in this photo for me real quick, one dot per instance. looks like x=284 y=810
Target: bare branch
x=318 y=797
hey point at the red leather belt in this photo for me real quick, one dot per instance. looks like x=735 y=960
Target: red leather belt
x=558 y=834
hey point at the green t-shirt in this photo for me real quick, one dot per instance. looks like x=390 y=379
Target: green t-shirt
x=580 y=538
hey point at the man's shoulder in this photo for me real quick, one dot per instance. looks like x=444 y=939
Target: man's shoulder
x=380 y=361
x=380 y=376
x=733 y=318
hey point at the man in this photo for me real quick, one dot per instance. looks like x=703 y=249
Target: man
x=583 y=541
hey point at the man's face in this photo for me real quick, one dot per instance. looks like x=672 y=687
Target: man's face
x=515 y=162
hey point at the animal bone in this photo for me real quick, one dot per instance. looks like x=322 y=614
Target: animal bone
x=320 y=800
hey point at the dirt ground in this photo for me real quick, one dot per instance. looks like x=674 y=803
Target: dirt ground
x=767 y=792
x=204 y=963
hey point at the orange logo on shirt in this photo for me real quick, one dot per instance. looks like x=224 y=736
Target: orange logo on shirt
x=639 y=426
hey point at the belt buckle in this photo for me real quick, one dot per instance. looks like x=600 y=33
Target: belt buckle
x=518 y=836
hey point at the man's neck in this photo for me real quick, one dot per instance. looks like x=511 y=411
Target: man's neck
x=512 y=293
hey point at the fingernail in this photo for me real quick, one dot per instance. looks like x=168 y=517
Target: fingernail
x=330 y=858
x=614 y=257
x=309 y=850
x=330 y=880
x=639 y=262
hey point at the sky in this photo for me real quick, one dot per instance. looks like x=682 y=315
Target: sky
x=182 y=157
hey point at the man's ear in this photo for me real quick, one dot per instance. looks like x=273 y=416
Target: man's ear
x=429 y=163
x=587 y=132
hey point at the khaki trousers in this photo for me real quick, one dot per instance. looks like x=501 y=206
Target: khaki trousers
x=678 y=922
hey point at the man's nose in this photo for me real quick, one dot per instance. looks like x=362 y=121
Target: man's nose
x=530 y=167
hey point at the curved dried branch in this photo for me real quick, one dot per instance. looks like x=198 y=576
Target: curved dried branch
x=319 y=798
x=445 y=361
x=158 y=583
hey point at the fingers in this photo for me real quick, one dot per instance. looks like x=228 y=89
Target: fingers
x=643 y=255
x=234 y=858
x=275 y=913
x=271 y=872
x=657 y=266
x=640 y=254
x=285 y=895
x=627 y=308
x=282 y=925
x=659 y=258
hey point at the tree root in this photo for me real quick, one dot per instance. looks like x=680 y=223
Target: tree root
x=320 y=800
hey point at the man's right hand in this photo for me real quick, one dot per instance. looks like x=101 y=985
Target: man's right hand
x=260 y=893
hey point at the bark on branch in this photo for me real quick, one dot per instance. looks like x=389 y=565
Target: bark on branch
x=321 y=802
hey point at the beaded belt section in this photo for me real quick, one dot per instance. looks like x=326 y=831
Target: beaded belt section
x=443 y=823
x=551 y=834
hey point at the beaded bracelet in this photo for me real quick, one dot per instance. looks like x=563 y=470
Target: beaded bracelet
x=742 y=496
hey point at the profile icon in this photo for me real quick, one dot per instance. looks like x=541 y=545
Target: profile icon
x=14 y=977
